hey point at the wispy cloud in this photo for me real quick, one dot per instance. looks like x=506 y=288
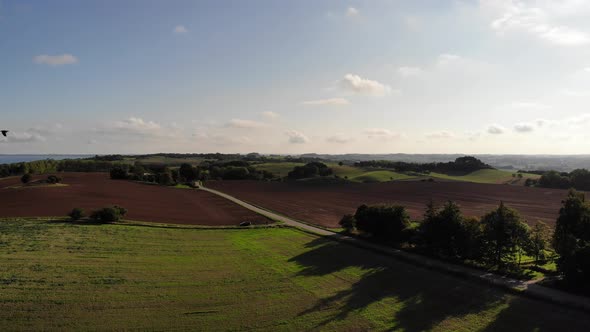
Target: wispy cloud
x=270 y=115
x=365 y=86
x=443 y=134
x=381 y=134
x=542 y=19
x=327 y=102
x=339 y=139
x=496 y=129
x=409 y=71
x=245 y=124
x=55 y=60
x=524 y=128
x=352 y=12
x=180 y=29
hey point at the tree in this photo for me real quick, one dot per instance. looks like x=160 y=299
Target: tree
x=26 y=178
x=76 y=214
x=188 y=173
x=384 y=222
x=109 y=214
x=571 y=239
x=119 y=173
x=539 y=241
x=441 y=229
x=504 y=235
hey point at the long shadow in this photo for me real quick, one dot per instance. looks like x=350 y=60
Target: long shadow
x=427 y=298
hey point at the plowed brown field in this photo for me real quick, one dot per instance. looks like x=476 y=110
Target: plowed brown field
x=144 y=202
x=326 y=204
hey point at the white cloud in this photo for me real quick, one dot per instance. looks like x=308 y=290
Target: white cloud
x=296 y=137
x=528 y=105
x=581 y=119
x=364 y=86
x=55 y=60
x=447 y=59
x=339 y=139
x=270 y=115
x=180 y=29
x=410 y=71
x=245 y=124
x=576 y=93
x=327 y=102
x=137 y=124
x=496 y=129
x=381 y=134
x=546 y=20
x=28 y=136
x=443 y=134
x=524 y=127
x=352 y=12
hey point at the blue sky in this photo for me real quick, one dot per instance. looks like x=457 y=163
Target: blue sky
x=377 y=76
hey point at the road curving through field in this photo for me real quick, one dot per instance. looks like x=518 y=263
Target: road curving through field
x=527 y=288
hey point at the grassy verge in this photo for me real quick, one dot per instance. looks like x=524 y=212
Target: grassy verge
x=61 y=276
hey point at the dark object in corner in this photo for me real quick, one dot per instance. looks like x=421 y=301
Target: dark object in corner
x=245 y=223
x=4 y=132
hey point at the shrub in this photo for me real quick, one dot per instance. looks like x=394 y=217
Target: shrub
x=348 y=222
x=26 y=178
x=119 y=173
x=53 y=179
x=108 y=214
x=76 y=214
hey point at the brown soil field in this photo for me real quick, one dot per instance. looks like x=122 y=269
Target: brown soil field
x=326 y=204
x=144 y=202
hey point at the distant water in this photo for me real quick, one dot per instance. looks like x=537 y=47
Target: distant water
x=17 y=158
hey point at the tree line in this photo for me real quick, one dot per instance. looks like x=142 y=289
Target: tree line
x=188 y=174
x=465 y=164
x=51 y=166
x=578 y=179
x=498 y=239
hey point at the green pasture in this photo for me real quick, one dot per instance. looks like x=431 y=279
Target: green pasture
x=56 y=276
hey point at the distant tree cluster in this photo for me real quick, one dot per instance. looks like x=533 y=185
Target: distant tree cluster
x=309 y=170
x=51 y=166
x=465 y=164
x=578 y=179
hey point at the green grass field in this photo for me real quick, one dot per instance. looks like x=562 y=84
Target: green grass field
x=56 y=276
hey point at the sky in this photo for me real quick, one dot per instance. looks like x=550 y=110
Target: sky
x=290 y=77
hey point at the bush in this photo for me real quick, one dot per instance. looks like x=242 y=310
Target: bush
x=108 y=214
x=76 y=214
x=26 y=178
x=119 y=173
x=348 y=222
x=53 y=179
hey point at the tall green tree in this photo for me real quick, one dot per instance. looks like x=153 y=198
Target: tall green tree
x=505 y=236
x=571 y=239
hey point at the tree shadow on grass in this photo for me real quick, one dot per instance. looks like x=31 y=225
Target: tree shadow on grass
x=425 y=298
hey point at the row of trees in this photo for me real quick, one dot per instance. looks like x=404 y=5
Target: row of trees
x=578 y=179
x=186 y=173
x=499 y=238
x=465 y=164
x=51 y=166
